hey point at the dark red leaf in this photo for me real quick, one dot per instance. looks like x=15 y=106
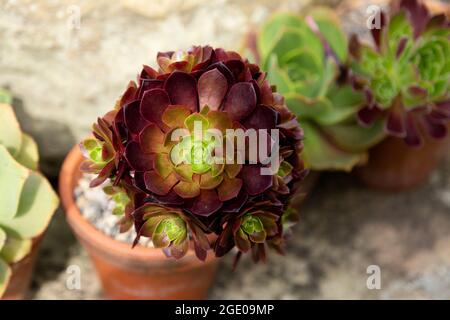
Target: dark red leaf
x=413 y=137
x=212 y=88
x=182 y=90
x=133 y=119
x=254 y=182
x=206 y=203
x=241 y=101
x=435 y=129
x=401 y=46
x=395 y=124
x=237 y=67
x=368 y=115
x=263 y=117
x=377 y=32
x=417 y=13
x=149 y=84
x=153 y=104
x=138 y=160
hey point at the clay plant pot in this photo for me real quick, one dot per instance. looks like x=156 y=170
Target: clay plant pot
x=22 y=271
x=394 y=166
x=133 y=273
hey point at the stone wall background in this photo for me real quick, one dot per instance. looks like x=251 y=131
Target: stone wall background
x=63 y=77
x=67 y=61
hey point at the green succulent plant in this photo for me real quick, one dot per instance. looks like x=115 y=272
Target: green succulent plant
x=160 y=150
x=27 y=198
x=405 y=74
x=305 y=58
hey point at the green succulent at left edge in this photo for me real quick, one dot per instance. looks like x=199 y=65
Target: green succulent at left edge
x=27 y=199
x=304 y=57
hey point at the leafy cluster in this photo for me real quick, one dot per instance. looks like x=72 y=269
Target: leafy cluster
x=405 y=76
x=174 y=193
x=27 y=199
x=305 y=58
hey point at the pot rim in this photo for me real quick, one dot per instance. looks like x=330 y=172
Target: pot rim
x=68 y=178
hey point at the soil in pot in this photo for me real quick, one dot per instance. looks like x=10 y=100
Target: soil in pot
x=22 y=272
x=125 y=273
x=394 y=166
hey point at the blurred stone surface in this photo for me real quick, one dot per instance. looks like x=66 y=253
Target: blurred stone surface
x=344 y=229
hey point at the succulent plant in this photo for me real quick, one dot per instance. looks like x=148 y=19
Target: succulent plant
x=183 y=188
x=28 y=201
x=305 y=59
x=405 y=76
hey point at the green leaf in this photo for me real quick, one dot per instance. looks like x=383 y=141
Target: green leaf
x=90 y=144
x=345 y=103
x=345 y=96
x=320 y=154
x=436 y=32
x=279 y=77
x=370 y=62
x=302 y=64
x=307 y=108
x=38 y=202
x=160 y=238
x=288 y=40
x=5 y=97
x=316 y=85
x=354 y=138
x=12 y=180
x=28 y=155
x=2 y=238
x=5 y=275
x=15 y=249
x=328 y=77
x=10 y=133
x=285 y=169
x=272 y=31
x=196 y=119
x=399 y=27
x=331 y=29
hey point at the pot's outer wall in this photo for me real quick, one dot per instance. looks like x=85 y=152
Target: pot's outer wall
x=149 y=281
x=22 y=271
x=394 y=166
x=139 y=273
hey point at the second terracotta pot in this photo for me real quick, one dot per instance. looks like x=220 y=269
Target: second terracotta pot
x=139 y=273
x=394 y=166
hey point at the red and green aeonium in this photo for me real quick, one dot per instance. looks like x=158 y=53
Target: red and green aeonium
x=173 y=145
x=406 y=75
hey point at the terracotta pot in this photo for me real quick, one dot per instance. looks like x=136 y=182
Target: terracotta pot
x=22 y=271
x=139 y=273
x=394 y=166
x=305 y=189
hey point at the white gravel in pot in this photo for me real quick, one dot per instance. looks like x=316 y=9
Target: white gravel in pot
x=97 y=208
